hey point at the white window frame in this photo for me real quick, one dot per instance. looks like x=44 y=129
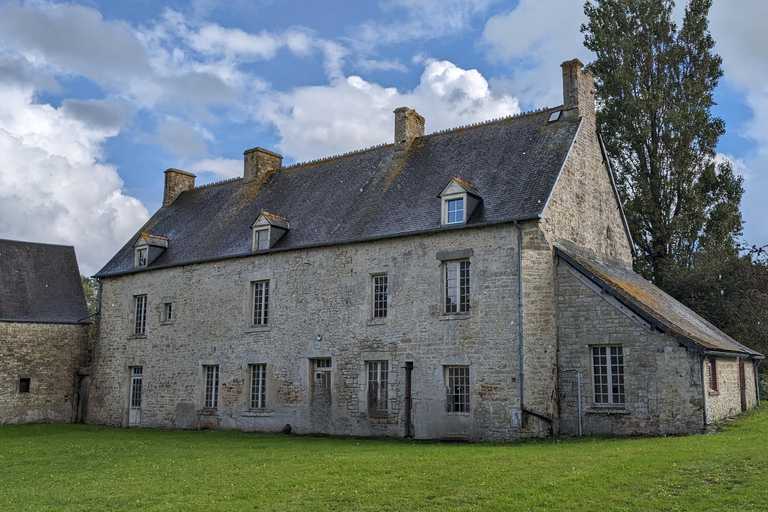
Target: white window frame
x=379 y=298
x=446 y=202
x=256 y=233
x=378 y=388
x=457 y=389
x=257 y=392
x=259 y=310
x=142 y=256
x=210 y=386
x=453 y=280
x=608 y=376
x=140 y=315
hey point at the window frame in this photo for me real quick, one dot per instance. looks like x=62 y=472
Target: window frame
x=377 y=388
x=257 y=386
x=140 y=306
x=379 y=304
x=446 y=209
x=612 y=381
x=141 y=258
x=211 y=383
x=259 y=305
x=713 y=382
x=257 y=232
x=463 y=289
x=322 y=366
x=458 y=379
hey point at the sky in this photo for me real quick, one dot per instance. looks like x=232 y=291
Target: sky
x=98 y=98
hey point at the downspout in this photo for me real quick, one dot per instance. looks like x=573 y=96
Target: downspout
x=523 y=410
x=757 y=380
x=704 y=391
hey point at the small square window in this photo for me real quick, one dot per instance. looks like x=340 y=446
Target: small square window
x=455 y=211
x=168 y=312
x=24 y=384
x=380 y=296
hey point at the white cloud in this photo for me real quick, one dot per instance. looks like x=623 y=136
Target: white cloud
x=183 y=139
x=352 y=113
x=55 y=187
x=221 y=168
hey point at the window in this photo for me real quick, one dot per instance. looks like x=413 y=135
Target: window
x=457 y=384
x=380 y=296
x=258 y=386
x=142 y=254
x=378 y=381
x=136 y=379
x=168 y=311
x=140 y=310
x=608 y=372
x=211 y=398
x=713 y=383
x=24 y=385
x=260 y=303
x=455 y=211
x=322 y=373
x=261 y=239
x=457 y=286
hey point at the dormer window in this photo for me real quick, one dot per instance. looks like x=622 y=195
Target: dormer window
x=268 y=228
x=459 y=200
x=147 y=248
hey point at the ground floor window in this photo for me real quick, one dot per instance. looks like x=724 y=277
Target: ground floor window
x=211 y=397
x=608 y=374
x=24 y=384
x=457 y=384
x=378 y=383
x=322 y=373
x=137 y=373
x=714 y=384
x=258 y=386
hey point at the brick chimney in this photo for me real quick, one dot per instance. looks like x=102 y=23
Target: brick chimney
x=176 y=182
x=258 y=162
x=578 y=91
x=408 y=125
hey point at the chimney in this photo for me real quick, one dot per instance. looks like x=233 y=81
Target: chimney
x=258 y=162
x=408 y=125
x=578 y=91
x=176 y=182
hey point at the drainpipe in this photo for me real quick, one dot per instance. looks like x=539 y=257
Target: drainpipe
x=704 y=390
x=578 y=393
x=757 y=380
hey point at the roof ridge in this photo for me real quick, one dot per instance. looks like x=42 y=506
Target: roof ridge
x=494 y=120
x=341 y=155
x=214 y=183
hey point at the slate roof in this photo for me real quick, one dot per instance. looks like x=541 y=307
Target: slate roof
x=656 y=307
x=40 y=283
x=513 y=162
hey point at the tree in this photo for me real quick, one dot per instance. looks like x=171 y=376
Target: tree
x=90 y=288
x=654 y=89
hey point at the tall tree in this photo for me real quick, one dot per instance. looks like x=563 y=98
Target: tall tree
x=654 y=88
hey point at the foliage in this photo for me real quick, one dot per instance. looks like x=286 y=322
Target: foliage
x=73 y=467
x=91 y=289
x=654 y=86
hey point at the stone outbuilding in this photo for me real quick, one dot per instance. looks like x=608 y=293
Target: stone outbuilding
x=474 y=283
x=43 y=332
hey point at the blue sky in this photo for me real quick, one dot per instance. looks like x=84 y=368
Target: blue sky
x=100 y=97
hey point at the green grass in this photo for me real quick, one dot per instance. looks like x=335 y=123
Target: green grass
x=44 y=467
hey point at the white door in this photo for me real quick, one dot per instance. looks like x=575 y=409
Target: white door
x=134 y=417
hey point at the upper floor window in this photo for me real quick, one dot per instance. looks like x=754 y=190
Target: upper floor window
x=267 y=230
x=455 y=210
x=380 y=296
x=608 y=374
x=261 y=239
x=459 y=199
x=142 y=254
x=260 y=302
x=456 y=286
x=147 y=248
x=140 y=314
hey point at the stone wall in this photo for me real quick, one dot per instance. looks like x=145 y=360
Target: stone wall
x=320 y=306
x=663 y=385
x=726 y=400
x=49 y=355
x=583 y=208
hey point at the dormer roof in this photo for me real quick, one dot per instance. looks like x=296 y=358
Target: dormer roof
x=271 y=219
x=151 y=240
x=458 y=185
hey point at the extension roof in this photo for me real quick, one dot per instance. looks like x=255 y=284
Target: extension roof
x=40 y=283
x=513 y=162
x=657 y=308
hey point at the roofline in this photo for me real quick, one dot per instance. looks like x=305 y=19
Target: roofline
x=562 y=167
x=324 y=244
x=616 y=194
x=28 y=321
x=654 y=322
x=35 y=243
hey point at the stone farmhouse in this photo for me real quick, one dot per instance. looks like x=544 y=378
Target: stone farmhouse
x=471 y=284
x=43 y=333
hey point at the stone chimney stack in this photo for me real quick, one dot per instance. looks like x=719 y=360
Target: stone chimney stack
x=258 y=162
x=578 y=91
x=408 y=125
x=176 y=182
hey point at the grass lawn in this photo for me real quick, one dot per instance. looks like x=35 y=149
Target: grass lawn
x=45 y=467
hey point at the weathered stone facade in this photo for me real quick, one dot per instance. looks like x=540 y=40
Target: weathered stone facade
x=47 y=354
x=733 y=394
